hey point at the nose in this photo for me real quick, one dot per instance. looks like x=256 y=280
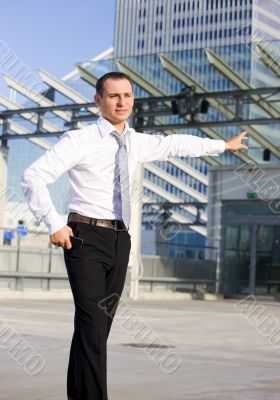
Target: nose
x=121 y=100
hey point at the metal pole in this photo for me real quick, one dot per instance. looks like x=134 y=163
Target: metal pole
x=135 y=262
x=50 y=265
x=253 y=260
x=17 y=263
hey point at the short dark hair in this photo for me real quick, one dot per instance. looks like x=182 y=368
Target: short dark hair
x=110 y=75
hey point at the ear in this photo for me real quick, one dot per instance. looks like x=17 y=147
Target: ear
x=97 y=99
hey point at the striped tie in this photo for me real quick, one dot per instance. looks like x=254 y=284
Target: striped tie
x=123 y=177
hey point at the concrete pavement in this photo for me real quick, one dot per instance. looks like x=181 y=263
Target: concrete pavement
x=223 y=355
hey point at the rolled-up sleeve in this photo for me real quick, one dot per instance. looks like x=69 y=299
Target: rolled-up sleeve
x=160 y=147
x=47 y=169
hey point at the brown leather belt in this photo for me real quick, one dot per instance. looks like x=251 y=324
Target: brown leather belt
x=115 y=224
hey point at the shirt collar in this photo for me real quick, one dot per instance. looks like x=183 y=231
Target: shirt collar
x=105 y=127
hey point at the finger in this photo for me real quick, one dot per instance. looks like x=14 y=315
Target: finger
x=70 y=231
x=243 y=135
x=68 y=244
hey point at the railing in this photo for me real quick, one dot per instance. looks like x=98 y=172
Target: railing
x=33 y=257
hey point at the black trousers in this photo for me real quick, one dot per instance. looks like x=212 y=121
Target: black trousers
x=96 y=274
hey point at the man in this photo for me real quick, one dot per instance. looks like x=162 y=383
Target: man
x=100 y=161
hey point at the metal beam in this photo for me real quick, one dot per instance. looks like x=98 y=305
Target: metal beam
x=266 y=57
x=39 y=99
x=86 y=75
x=186 y=79
x=224 y=69
x=233 y=76
x=48 y=126
x=65 y=90
x=178 y=218
x=173 y=199
x=21 y=131
x=175 y=182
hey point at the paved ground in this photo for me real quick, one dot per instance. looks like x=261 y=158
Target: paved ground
x=223 y=355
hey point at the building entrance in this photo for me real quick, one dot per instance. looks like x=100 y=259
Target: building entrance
x=252 y=258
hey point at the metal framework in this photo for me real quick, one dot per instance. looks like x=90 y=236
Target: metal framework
x=145 y=112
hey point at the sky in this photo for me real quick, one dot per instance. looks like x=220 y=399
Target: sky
x=53 y=34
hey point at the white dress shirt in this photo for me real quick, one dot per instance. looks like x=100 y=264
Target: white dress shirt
x=88 y=156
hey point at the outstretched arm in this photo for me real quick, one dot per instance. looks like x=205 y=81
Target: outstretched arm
x=160 y=147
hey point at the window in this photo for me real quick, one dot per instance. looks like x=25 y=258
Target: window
x=161 y=10
x=206 y=35
x=178 y=39
x=156 y=26
x=157 y=10
x=183 y=38
x=143 y=28
x=160 y=25
x=159 y=41
x=178 y=23
x=183 y=22
x=174 y=23
x=144 y=12
x=179 y=7
x=175 y=7
x=155 y=42
x=139 y=28
x=143 y=44
x=140 y=11
x=173 y=39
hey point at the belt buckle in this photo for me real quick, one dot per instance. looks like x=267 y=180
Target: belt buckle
x=116 y=226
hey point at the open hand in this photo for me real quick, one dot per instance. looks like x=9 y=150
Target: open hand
x=234 y=144
x=61 y=238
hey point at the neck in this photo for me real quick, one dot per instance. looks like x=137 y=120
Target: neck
x=119 y=127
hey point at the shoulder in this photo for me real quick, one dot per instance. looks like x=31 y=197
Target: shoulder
x=79 y=135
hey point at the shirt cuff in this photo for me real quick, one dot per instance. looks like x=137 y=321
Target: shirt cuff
x=54 y=222
x=220 y=146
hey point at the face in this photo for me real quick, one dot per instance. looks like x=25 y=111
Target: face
x=116 y=101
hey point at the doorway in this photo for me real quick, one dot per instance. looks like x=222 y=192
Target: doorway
x=252 y=259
